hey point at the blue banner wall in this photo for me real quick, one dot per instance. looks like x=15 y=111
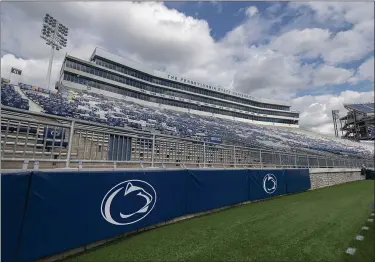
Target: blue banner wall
x=48 y=212
x=266 y=183
x=209 y=189
x=297 y=180
x=68 y=210
x=14 y=191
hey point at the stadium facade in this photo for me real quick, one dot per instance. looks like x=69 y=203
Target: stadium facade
x=117 y=77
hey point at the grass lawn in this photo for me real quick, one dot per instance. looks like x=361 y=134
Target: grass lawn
x=365 y=249
x=317 y=225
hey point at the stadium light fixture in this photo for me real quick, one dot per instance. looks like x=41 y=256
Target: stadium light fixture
x=55 y=34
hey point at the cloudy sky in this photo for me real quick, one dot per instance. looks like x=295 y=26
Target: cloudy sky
x=317 y=55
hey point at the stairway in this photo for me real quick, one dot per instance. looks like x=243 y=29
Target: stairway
x=33 y=106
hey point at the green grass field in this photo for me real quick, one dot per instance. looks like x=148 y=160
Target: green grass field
x=317 y=225
x=364 y=249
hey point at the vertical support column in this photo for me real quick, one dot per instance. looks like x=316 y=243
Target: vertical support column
x=280 y=159
x=326 y=163
x=308 y=162
x=153 y=151
x=295 y=160
x=204 y=154
x=234 y=156
x=71 y=134
x=260 y=158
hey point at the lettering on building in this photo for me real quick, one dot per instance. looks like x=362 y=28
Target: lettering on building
x=191 y=82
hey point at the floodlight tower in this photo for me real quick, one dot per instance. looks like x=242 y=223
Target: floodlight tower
x=335 y=117
x=55 y=34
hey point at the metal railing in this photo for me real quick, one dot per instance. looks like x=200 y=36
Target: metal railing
x=36 y=139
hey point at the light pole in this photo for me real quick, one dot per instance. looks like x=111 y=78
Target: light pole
x=55 y=34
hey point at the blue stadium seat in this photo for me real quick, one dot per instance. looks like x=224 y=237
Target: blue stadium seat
x=10 y=97
x=100 y=109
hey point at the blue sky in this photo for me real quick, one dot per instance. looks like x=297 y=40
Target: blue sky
x=223 y=17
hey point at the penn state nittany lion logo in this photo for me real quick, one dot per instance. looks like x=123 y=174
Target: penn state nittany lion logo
x=128 y=202
x=269 y=183
x=55 y=133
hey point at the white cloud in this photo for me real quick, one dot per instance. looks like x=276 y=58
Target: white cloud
x=33 y=71
x=306 y=41
x=274 y=8
x=331 y=75
x=316 y=111
x=270 y=74
x=349 y=45
x=343 y=47
x=366 y=70
x=251 y=11
x=352 y=12
x=346 y=46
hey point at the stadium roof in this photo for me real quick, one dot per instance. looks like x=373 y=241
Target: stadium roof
x=364 y=107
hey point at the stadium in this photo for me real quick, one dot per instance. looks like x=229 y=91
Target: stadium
x=359 y=123
x=118 y=149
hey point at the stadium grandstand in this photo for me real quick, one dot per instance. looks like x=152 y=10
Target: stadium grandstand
x=359 y=122
x=111 y=75
x=105 y=112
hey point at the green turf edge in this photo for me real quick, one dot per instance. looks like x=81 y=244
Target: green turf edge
x=365 y=250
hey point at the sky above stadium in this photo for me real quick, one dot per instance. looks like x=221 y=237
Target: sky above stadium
x=317 y=55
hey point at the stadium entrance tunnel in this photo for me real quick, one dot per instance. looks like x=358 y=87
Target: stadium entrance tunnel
x=85 y=207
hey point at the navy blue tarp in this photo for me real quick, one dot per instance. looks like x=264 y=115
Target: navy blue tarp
x=44 y=212
x=209 y=189
x=14 y=191
x=65 y=210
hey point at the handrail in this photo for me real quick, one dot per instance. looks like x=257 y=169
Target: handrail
x=233 y=155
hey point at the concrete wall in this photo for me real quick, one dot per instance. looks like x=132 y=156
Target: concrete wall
x=323 y=177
